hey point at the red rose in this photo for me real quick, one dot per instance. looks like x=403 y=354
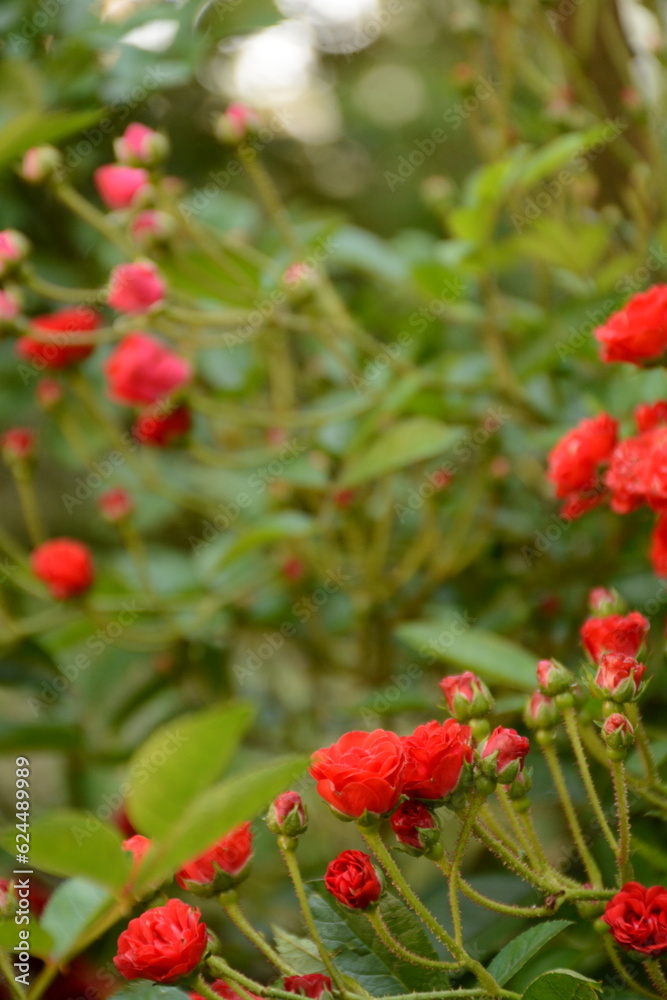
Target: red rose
x=435 y=756
x=638 y=331
x=352 y=879
x=362 y=772
x=63 y=328
x=17 y=444
x=637 y=917
x=119 y=186
x=115 y=504
x=64 y=565
x=142 y=370
x=574 y=463
x=135 y=288
x=505 y=752
x=658 y=549
x=467 y=696
x=623 y=634
x=287 y=815
x=138 y=846
x=619 y=677
x=159 y=427
x=221 y=867
x=312 y=985
x=415 y=826
x=140 y=145
x=648 y=416
x=162 y=944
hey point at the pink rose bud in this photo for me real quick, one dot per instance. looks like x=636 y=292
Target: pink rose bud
x=40 y=164
x=236 y=123
x=136 y=288
x=541 y=712
x=141 y=146
x=617 y=732
x=115 y=505
x=14 y=248
x=467 y=696
x=49 y=392
x=502 y=755
x=141 y=370
x=553 y=678
x=10 y=307
x=151 y=228
x=603 y=602
x=287 y=815
x=121 y=187
x=17 y=444
x=619 y=678
x=416 y=827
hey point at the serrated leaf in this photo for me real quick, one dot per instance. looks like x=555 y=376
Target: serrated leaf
x=71 y=908
x=359 y=952
x=409 y=441
x=178 y=761
x=496 y=659
x=519 y=951
x=300 y=952
x=562 y=984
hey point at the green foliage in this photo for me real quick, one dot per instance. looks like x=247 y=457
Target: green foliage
x=519 y=951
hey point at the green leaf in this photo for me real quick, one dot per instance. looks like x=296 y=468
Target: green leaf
x=178 y=761
x=71 y=842
x=359 y=953
x=40 y=941
x=39 y=736
x=515 y=954
x=214 y=813
x=558 y=153
x=562 y=984
x=406 y=442
x=70 y=910
x=272 y=528
x=300 y=952
x=36 y=127
x=496 y=659
x=144 y=989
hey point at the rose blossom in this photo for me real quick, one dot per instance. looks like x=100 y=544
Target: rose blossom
x=637 y=916
x=352 y=879
x=575 y=461
x=362 y=772
x=64 y=565
x=435 y=756
x=119 y=186
x=221 y=867
x=619 y=677
x=142 y=370
x=163 y=944
x=62 y=329
x=159 y=428
x=415 y=826
x=638 y=331
x=136 y=288
x=623 y=634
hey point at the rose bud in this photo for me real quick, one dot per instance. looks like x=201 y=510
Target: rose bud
x=553 y=678
x=65 y=566
x=467 y=696
x=287 y=815
x=619 y=678
x=236 y=123
x=541 y=712
x=40 y=164
x=618 y=735
x=624 y=634
x=314 y=985
x=17 y=444
x=48 y=392
x=163 y=944
x=136 y=288
x=361 y=775
x=520 y=787
x=416 y=827
x=152 y=228
x=10 y=307
x=121 y=187
x=64 y=330
x=142 y=370
x=115 y=505
x=353 y=880
x=637 y=332
x=14 y=248
x=141 y=146
x=502 y=755
x=158 y=427
x=138 y=847
x=222 y=867
x=602 y=601
x=637 y=917
x=438 y=760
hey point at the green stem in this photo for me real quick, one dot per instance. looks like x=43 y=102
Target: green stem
x=374 y=841
x=236 y=915
x=615 y=960
x=49 y=290
x=383 y=932
x=570 y=719
x=98 y=220
x=643 y=744
x=656 y=975
x=207 y=991
x=287 y=847
x=491 y=904
x=623 y=810
x=31 y=515
x=474 y=806
x=526 y=843
x=566 y=802
x=6 y=970
x=544 y=883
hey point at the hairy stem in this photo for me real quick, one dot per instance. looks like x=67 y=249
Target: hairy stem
x=570 y=719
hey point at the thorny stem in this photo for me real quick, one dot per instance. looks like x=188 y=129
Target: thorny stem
x=571 y=816
x=623 y=810
x=236 y=915
x=383 y=932
x=491 y=904
x=570 y=719
x=24 y=487
x=656 y=975
x=461 y=843
x=98 y=220
x=7 y=973
x=616 y=961
x=525 y=841
x=546 y=883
